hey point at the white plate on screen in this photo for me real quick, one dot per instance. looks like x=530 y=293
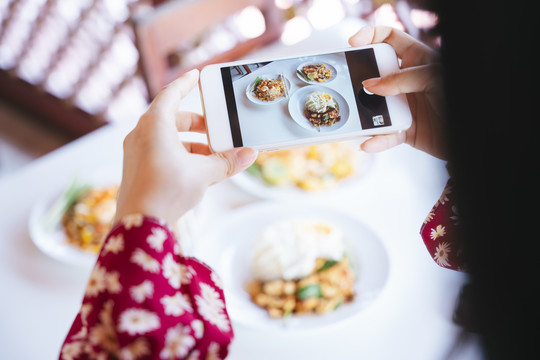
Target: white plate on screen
x=231 y=244
x=297 y=106
x=332 y=70
x=254 y=99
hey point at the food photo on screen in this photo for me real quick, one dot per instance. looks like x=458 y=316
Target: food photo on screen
x=298 y=98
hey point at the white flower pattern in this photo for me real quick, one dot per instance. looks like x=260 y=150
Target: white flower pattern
x=114 y=244
x=211 y=307
x=138 y=321
x=213 y=350
x=172 y=271
x=112 y=282
x=437 y=232
x=157 y=238
x=141 y=292
x=136 y=306
x=132 y=221
x=147 y=262
x=96 y=283
x=217 y=280
x=176 y=304
x=72 y=350
x=178 y=342
x=441 y=254
x=198 y=328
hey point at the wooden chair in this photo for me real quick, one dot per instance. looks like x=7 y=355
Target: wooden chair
x=173 y=25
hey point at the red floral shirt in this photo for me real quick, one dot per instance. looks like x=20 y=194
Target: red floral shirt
x=144 y=300
x=440 y=232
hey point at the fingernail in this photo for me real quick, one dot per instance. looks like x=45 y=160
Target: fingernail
x=246 y=156
x=371 y=82
x=192 y=73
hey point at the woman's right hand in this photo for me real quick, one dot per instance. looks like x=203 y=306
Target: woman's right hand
x=419 y=78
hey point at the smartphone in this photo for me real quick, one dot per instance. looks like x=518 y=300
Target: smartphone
x=272 y=104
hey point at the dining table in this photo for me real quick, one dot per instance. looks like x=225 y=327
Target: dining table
x=411 y=318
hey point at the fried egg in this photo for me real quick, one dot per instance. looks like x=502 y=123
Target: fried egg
x=318 y=101
x=288 y=249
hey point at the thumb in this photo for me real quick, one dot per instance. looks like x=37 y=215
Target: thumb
x=409 y=80
x=228 y=163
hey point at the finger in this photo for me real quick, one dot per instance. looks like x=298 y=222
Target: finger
x=407 y=47
x=168 y=99
x=225 y=164
x=414 y=79
x=189 y=121
x=364 y=36
x=197 y=148
x=383 y=142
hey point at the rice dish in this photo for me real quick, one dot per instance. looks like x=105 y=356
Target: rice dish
x=289 y=249
x=300 y=267
x=319 y=101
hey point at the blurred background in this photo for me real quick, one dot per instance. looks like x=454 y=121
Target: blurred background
x=68 y=67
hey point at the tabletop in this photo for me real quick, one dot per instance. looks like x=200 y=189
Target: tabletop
x=411 y=318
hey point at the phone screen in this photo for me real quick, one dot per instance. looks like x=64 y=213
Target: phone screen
x=304 y=97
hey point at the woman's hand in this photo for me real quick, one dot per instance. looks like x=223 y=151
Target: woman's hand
x=163 y=177
x=418 y=78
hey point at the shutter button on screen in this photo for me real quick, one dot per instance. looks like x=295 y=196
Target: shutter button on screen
x=367 y=91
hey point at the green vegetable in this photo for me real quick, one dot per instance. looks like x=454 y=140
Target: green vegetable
x=275 y=172
x=303 y=75
x=68 y=198
x=328 y=264
x=309 y=291
x=255 y=170
x=255 y=83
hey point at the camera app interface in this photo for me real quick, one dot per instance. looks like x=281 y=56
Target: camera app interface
x=305 y=97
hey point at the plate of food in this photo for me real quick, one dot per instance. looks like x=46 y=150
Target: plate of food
x=268 y=89
x=319 y=108
x=292 y=269
x=315 y=169
x=71 y=226
x=316 y=72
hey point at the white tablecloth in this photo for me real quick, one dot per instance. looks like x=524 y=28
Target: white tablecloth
x=411 y=319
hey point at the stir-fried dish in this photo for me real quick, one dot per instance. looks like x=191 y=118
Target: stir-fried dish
x=325 y=289
x=312 y=168
x=299 y=266
x=268 y=89
x=88 y=220
x=321 y=109
x=316 y=72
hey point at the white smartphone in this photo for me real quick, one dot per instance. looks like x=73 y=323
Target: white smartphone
x=295 y=101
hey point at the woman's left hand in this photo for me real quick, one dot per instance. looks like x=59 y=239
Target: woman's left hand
x=162 y=176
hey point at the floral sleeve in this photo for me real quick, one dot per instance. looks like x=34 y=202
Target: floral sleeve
x=440 y=232
x=144 y=300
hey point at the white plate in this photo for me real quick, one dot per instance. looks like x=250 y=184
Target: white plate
x=51 y=238
x=332 y=70
x=228 y=249
x=260 y=188
x=297 y=105
x=256 y=100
